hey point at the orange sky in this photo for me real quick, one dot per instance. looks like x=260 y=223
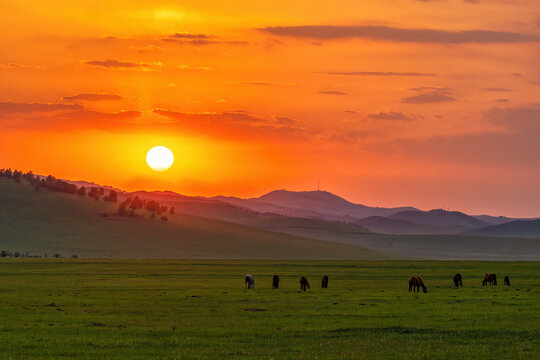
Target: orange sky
x=427 y=103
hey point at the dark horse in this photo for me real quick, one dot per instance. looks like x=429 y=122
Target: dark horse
x=490 y=279
x=249 y=281
x=304 y=283
x=457 y=280
x=275 y=282
x=506 y=280
x=415 y=283
x=324 y=282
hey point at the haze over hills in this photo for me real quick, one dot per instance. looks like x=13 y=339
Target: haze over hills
x=325 y=206
x=49 y=221
x=521 y=228
x=321 y=204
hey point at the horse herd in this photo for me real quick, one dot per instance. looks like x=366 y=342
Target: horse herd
x=249 y=282
x=415 y=282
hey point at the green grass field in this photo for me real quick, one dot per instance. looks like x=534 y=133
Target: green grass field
x=165 y=309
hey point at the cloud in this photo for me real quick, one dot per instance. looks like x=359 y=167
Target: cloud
x=351 y=112
x=17 y=66
x=376 y=73
x=190 y=36
x=517 y=119
x=431 y=88
x=83 y=115
x=284 y=120
x=502 y=100
x=234 y=125
x=116 y=64
x=199 y=39
x=535 y=82
x=392 y=115
x=332 y=92
x=497 y=89
x=93 y=97
x=13 y=107
x=385 y=33
x=427 y=98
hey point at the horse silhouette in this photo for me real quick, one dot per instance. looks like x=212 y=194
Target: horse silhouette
x=249 y=281
x=490 y=279
x=275 y=282
x=415 y=283
x=324 y=281
x=304 y=285
x=457 y=280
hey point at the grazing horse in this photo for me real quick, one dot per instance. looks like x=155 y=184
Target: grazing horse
x=415 y=283
x=457 y=280
x=324 y=282
x=275 y=282
x=304 y=283
x=490 y=279
x=249 y=281
x=506 y=280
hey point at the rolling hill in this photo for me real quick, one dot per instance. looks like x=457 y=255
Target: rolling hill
x=440 y=217
x=46 y=222
x=517 y=228
x=314 y=204
x=386 y=225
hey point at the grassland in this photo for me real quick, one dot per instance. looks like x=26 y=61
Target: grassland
x=165 y=309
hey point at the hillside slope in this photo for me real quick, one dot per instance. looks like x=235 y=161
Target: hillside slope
x=46 y=222
x=518 y=228
x=314 y=204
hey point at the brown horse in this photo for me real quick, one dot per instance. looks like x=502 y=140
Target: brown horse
x=304 y=283
x=249 y=281
x=415 y=283
x=490 y=279
x=324 y=282
x=275 y=282
x=506 y=280
x=457 y=280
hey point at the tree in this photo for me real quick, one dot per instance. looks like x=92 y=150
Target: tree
x=81 y=191
x=171 y=210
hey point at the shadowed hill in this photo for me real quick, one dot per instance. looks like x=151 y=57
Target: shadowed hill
x=42 y=222
x=314 y=204
x=386 y=225
x=519 y=228
x=440 y=217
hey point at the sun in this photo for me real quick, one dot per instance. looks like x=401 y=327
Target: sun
x=159 y=158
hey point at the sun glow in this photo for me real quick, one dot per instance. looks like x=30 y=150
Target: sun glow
x=159 y=158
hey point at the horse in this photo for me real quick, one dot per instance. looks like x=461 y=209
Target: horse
x=490 y=279
x=304 y=283
x=506 y=280
x=275 y=282
x=457 y=280
x=324 y=282
x=415 y=283
x=249 y=281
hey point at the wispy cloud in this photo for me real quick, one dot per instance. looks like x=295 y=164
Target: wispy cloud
x=497 y=89
x=14 y=107
x=376 y=73
x=391 y=115
x=236 y=125
x=332 y=92
x=427 y=98
x=92 y=97
x=117 y=64
x=386 y=33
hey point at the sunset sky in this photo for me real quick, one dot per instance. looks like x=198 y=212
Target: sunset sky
x=427 y=103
